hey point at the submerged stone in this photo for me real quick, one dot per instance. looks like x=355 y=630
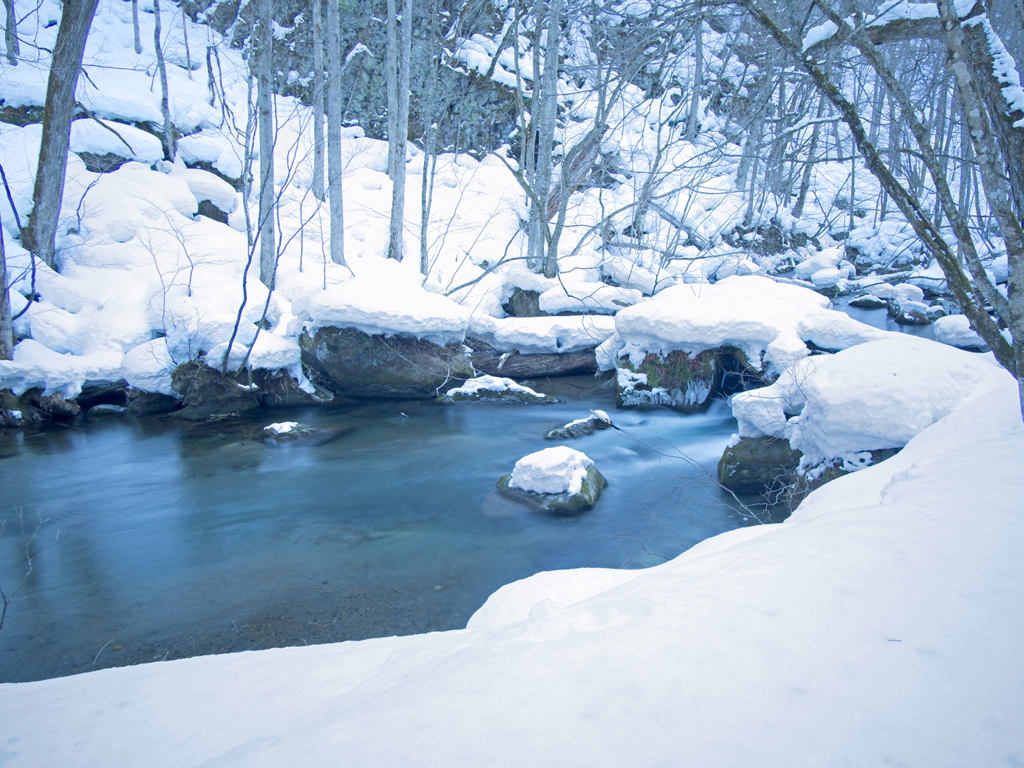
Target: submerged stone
x=580 y=427
x=868 y=301
x=106 y=409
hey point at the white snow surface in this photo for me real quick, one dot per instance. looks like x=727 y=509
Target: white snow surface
x=552 y=470
x=874 y=395
x=873 y=627
x=956 y=331
x=492 y=384
x=754 y=314
x=537 y=335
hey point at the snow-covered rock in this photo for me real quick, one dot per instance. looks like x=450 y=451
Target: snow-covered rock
x=956 y=331
x=539 y=335
x=148 y=367
x=37 y=366
x=495 y=389
x=552 y=470
x=826 y=259
x=875 y=395
x=769 y=322
x=588 y=297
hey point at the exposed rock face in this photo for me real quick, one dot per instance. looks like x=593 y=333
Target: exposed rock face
x=151 y=403
x=524 y=303
x=488 y=360
x=209 y=394
x=559 y=503
x=676 y=380
x=360 y=365
x=758 y=465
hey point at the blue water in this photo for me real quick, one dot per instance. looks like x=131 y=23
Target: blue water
x=162 y=540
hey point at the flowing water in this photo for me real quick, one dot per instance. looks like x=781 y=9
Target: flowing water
x=163 y=540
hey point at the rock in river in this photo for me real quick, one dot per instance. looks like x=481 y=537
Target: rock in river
x=559 y=480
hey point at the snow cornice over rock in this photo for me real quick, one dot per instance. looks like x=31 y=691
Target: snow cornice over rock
x=754 y=314
x=398 y=308
x=875 y=626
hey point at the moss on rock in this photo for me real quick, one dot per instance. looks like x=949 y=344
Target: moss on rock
x=676 y=379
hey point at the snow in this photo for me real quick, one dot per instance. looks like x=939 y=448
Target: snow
x=872 y=627
x=588 y=297
x=90 y=136
x=875 y=395
x=956 y=331
x=769 y=322
x=37 y=366
x=539 y=335
x=552 y=470
x=148 y=367
x=282 y=427
x=827 y=258
x=492 y=384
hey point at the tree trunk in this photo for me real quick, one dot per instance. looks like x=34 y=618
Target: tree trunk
x=6 y=326
x=549 y=115
x=334 y=166
x=318 y=101
x=265 y=111
x=57 y=114
x=698 y=75
x=391 y=67
x=135 y=26
x=400 y=140
x=429 y=148
x=165 y=104
x=11 y=34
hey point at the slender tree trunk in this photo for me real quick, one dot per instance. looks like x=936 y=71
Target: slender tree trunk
x=805 y=179
x=265 y=110
x=549 y=115
x=698 y=76
x=11 y=34
x=165 y=104
x=429 y=149
x=184 y=35
x=535 y=238
x=135 y=26
x=6 y=326
x=391 y=66
x=395 y=246
x=318 y=101
x=57 y=114
x=334 y=166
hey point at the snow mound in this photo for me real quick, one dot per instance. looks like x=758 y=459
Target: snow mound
x=956 y=331
x=37 y=366
x=364 y=304
x=876 y=395
x=553 y=470
x=770 y=322
x=593 y=297
x=148 y=367
x=101 y=139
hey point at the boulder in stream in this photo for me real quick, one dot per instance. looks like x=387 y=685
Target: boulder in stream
x=360 y=365
x=677 y=379
x=758 y=465
x=580 y=427
x=558 y=480
x=495 y=389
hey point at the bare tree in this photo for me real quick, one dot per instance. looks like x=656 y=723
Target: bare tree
x=58 y=112
x=6 y=326
x=135 y=26
x=265 y=110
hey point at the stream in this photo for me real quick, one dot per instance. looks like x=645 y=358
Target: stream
x=155 y=539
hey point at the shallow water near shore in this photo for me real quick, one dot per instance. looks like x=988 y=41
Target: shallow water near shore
x=162 y=540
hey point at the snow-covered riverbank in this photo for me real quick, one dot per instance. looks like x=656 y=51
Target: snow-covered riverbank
x=877 y=625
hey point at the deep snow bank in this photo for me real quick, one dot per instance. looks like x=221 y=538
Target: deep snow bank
x=876 y=626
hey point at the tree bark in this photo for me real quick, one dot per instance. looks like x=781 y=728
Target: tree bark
x=549 y=114
x=6 y=326
x=391 y=66
x=57 y=115
x=265 y=113
x=318 y=101
x=400 y=140
x=698 y=76
x=11 y=34
x=165 y=103
x=334 y=166
x=135 y=26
